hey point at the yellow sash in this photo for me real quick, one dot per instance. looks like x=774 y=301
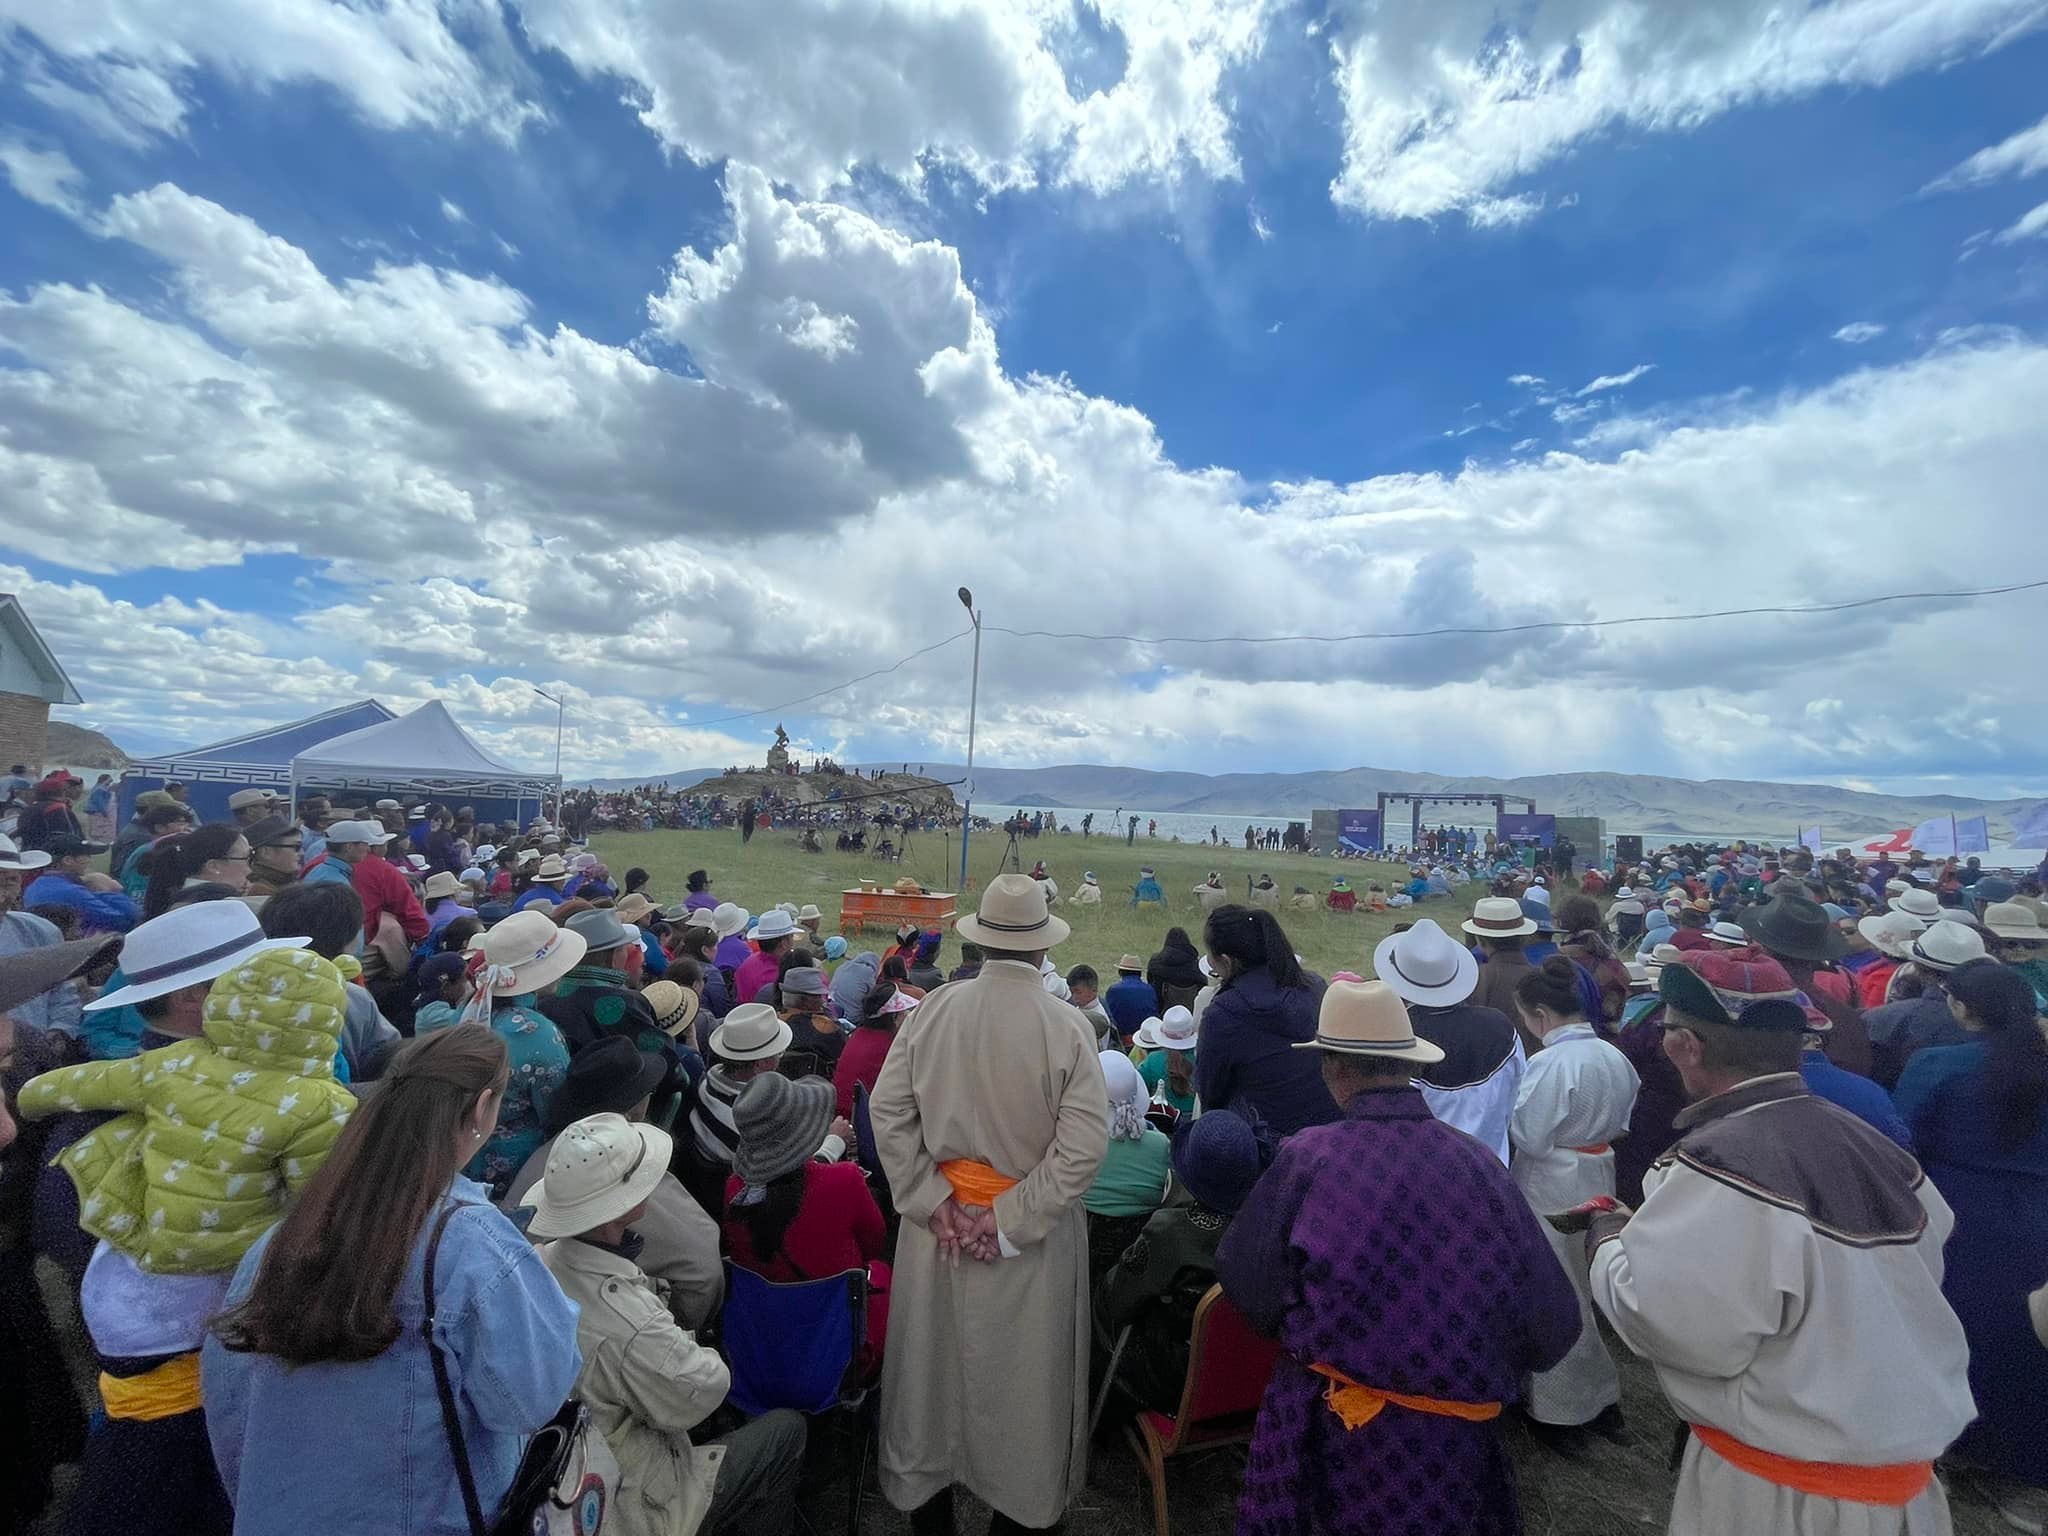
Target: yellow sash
x=171 y=1389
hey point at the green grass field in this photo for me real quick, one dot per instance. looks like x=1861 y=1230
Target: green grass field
x=772 y=868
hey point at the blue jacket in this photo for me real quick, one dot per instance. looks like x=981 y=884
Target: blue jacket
x=1866 y=1100
x=98 y=911
x=1245 y=1057
x=1130 y=1001
x=509 y=1335
x=328 y=871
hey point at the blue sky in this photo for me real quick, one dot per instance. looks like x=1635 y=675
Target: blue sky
x=687 y=363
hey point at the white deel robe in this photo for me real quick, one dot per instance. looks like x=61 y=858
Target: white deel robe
x=1799 y=1338
x=1577 y=1092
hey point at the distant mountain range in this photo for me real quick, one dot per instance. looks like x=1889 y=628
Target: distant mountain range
x=1628 y=802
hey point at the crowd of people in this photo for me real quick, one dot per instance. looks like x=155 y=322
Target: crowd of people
x=335 y=1119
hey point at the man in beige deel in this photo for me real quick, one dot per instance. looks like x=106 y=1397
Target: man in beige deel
x=991 y=1118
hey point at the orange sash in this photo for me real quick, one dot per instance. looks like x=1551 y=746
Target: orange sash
x=1897 y=1484
x=1359 y=1405
x=1596 y=1149
x=975 y=1183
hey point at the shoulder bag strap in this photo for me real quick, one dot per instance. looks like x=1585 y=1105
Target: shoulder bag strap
x=450 y=1422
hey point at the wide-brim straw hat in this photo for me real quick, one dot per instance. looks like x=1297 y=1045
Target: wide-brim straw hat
x=1368 y=1018
x=1498 y=917
x=781 y=1124
x=600 y=1168
x=1426 y=966
x=751 y=1032
x=1013 y=916
x=532 y=949
x=634 y=908
x=675 y=1007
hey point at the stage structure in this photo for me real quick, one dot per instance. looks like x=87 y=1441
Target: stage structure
x=1416 y=802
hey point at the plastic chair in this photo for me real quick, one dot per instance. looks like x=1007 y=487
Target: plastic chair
x=1228 y=1367
x=798 y=1346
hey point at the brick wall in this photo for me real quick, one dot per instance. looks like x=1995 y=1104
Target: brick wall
x=24 y=730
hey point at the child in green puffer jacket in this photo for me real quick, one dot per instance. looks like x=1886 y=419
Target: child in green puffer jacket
x=218 y=1129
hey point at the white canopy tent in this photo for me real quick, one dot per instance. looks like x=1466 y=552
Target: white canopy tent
x=423 y=752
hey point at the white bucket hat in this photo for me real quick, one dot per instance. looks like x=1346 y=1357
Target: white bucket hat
x=730 y=919
x=186 y=946
x=599 y=1169
x=1427 y=966
x=1013 y=917
x=1891 y=933
x=1924 y=905
x=751 y=1032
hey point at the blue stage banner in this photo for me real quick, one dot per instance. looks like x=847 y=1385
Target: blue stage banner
x=1516 y=828
x=1359 y=830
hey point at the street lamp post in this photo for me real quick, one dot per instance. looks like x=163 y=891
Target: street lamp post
x=973 y=698
x=560 y=709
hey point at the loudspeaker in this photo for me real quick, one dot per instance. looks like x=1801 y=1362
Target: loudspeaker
x=1628 y=849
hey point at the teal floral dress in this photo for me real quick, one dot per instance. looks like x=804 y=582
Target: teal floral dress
x=540 y=1060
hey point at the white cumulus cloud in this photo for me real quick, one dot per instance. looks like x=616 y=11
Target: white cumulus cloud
x=1857 y=332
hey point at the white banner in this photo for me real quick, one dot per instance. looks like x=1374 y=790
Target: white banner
x=1936 y=837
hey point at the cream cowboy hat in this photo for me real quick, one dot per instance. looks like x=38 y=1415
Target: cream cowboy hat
x=1427 y=966
x=527 y=951
x=599 y=1169
x=1368 y=1018
x=1013 y=917
x=1498 y=917
x=634 y=908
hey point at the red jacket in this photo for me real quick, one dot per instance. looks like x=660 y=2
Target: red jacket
x=384 y=889
x=1872 y=981
x=860 y=1063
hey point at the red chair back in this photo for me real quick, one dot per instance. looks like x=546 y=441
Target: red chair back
x=1228 y=1368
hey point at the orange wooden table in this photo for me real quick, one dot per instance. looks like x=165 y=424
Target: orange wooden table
x=933 y=911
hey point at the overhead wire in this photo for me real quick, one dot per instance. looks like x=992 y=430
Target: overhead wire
x=894 y=666
x=1514 y=629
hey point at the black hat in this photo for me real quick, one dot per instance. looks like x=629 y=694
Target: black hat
x=70 y=845
x=272 y=831
x=609 y=1077
x=1795 y=926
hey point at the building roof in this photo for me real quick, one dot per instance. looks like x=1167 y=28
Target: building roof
x=21 y=635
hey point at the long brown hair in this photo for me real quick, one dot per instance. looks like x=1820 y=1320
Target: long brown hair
x=333 y=1268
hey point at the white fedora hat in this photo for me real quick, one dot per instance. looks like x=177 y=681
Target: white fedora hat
x=1427 y=966
x=1921 y=904
x=358 y=832
x=598 y=1169
x=751 y=1032
x=527 y=951
x=1177 y=1030
x=1944 y=946
x=775 y=924
x=1013 y=917
x=1368 y=1018
x=552 y=870
x=186 y=946
x=11 y=856
x=1891 y=933
x=1727 y=933
x=1498 y=917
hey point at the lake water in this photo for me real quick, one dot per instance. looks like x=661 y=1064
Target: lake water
x=1191 y=827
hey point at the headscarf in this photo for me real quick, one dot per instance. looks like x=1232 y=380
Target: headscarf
x=1128 y=1097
